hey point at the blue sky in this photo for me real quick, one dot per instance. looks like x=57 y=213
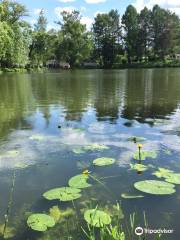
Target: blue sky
x=89 y=8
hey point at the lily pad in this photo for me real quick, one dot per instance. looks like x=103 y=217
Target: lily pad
x=63 y=194
x=162 y=173
x=173 y=178
x=155 y=187
x=97 y=218
x=144 y=155
x=130 y=196
x=78 y=150
x=96 y=147
x=37 y=137
x=136 y=139
x=40 y=222
x=79 y=181
x=138 y=167
x=103 y=161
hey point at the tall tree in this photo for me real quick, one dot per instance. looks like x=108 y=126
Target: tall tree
x=144 y=33
x=41 y=24
x=131 y=28
x=165 y=28
x=40 y=41
x=76 y=41
x=107 y=35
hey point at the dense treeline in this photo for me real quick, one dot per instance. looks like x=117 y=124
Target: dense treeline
x=148 y=36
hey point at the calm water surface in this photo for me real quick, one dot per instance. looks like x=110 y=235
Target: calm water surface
x=91 y=106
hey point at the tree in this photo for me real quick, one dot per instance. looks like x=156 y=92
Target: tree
x=14 y=34
x=131 y=28
x=40 y=41
x=12 y=12
x=107 y=34
x=76 y=42
x=165 y=29
x=144 y=33
x=41 y=23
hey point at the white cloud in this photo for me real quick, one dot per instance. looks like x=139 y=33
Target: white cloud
x=94 y=1
x=173 y=5
x=87 y=21
x=66 y=1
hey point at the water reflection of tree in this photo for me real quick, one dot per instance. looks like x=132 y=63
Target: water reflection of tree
x=15 y=98
x=151 y=93
x=109 y=95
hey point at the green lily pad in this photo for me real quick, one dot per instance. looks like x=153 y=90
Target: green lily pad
x=173 y=178
x=63 y=194
x=162 y=173
x=155 y=187
x=37 y=137
x=78 y=150
x=79 y=181
x=136 y=139
x=103 y=161
x=138 y=167
x=96 y=147
x=130 y=196
x=97 y=218
x=40 y=222
x=144 y=155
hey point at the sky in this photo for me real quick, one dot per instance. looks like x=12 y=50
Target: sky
x=89 y=8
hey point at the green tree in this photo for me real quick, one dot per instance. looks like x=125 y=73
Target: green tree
x=15 y=36
x=131 y=29
x=41 y=23
x=107 y=35
x=40 y=43
x=165 y=28
x=75 y=42
x=144 y=33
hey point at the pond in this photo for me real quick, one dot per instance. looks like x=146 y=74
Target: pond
x=54 y=125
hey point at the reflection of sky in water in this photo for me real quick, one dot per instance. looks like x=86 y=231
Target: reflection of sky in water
x=33 y=145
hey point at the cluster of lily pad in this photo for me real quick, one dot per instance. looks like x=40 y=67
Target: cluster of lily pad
x=96 y=217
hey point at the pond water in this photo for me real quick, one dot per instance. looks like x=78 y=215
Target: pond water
x=47 y=120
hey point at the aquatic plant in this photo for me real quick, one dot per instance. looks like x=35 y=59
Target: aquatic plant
x=79 y=181
x=95 y=147
x=145 y=154
x=169 y=175
x=91 y=147
x=173 y=178
x=103 y=161
x=97 y=218
x=162 y=173
x=155 y=187
x=40 y=222
x=37 y=137
x=55 y=213
x=138 y=167
x=130 y=196
x=10 y=232
x=78 y=150
x=63 y=194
